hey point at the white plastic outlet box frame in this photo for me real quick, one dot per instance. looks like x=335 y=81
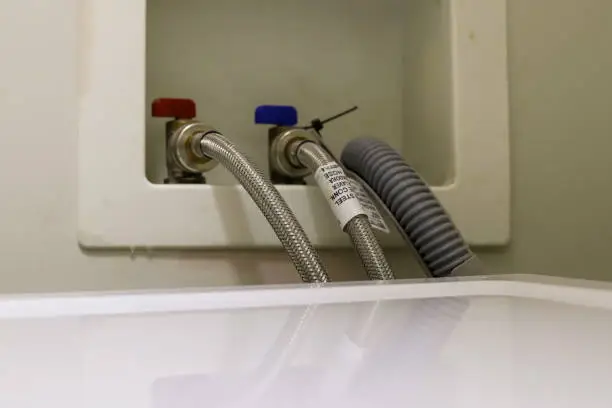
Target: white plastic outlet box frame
x=119 y=207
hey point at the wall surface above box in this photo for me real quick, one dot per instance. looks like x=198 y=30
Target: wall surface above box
x=430 y=79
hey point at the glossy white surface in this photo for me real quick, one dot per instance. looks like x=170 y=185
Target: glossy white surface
x=119 y=207
x=512 y=342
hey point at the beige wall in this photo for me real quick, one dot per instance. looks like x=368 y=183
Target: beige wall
x=560 y=67
x=561 y=129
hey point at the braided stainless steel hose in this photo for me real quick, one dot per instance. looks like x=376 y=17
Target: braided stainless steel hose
x=284 y=223
x=312 y=156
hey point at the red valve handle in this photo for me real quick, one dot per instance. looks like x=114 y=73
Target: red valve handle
x=173 y=108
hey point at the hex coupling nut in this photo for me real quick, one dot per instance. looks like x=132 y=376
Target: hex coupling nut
x=184 y=151
x=283 y=152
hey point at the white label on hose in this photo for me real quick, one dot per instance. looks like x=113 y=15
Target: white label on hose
x=336 y=187
x=374 y=216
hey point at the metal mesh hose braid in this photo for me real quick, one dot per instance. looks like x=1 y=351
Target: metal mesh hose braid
x=312 y=156
x=368 y=248
x=282 y=220
x=412 y=203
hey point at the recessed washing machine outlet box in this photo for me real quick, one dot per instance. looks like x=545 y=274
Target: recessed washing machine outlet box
x=429 y=77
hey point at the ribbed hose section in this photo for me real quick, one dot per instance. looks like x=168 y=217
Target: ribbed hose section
x=411 y=201
x=312 y=156
x=289 y=231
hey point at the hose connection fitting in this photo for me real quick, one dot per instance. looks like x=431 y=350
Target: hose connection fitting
x=184 y=148
x=284 y=149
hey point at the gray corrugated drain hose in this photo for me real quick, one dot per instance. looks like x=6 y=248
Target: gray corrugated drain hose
x=312 y=156
x=410 y=200
x=289 y=231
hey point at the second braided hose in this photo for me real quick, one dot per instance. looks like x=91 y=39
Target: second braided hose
x=282 y=220
x=312 y=156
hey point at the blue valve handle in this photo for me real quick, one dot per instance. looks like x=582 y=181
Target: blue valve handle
x=277 y=115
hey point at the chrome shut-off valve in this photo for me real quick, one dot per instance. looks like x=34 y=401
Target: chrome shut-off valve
x=184 y=162
x=284 y=138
